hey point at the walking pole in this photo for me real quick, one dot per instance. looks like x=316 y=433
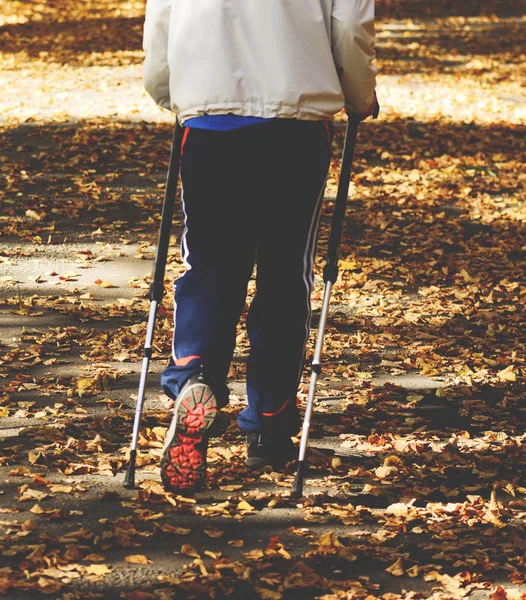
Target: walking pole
x=330 y=275
x=156 y=289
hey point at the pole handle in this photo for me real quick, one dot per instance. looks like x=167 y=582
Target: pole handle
x=330 y=271
x=157 y=286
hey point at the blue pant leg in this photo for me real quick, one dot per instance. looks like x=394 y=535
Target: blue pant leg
x=207 y=305
x=279 y=316
x=210 y=296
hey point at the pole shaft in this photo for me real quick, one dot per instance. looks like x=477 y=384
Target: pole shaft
x=316 y=361
x=144 y=373
x=330 y=275
x=330 y=272
x=156 y=289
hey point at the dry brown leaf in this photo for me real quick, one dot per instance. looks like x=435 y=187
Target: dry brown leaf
x=104 y=284
x=137 y=559
x=212 y=532
x=399 y=509
x=59 y=488
x=189 y=550
x=397 y=568
x=95 y=569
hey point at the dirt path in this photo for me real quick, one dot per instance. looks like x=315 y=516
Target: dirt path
x=416 y=486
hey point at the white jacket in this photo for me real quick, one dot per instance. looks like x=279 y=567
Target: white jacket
x=302 y=59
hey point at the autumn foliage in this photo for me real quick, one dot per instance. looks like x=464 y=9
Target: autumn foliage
x=416 y=486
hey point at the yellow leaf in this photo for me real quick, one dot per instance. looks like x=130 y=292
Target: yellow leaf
x=393 y=461
x=54 y=573
x=48 y=586
x=397 y=568
x=189 y=550
x=104 y=284
x=213 y=532
x=330 y=539
x=507 y=374
x=255 y=554
x=429 y=371
x=265 y=594
x=30 y=494
x=399 y=509
x=347 y=265
x=336 y=463
x=84 y=384
x=382 y=472
x=95 y=557
x=59 y=488
x=414 y=398
x=35 y=457
x=33 y=215
x=98 y=570
x=137 y=559
x=173 y=529
x=243 y=505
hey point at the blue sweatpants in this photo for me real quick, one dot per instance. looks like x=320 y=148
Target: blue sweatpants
x=251 y=196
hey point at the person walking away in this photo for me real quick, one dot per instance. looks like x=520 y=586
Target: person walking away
x=256 y=85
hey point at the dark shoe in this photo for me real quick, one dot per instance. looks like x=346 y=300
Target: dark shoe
x=183 y=462
x=261 y=451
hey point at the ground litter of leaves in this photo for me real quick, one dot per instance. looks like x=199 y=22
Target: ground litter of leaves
x=416 y=486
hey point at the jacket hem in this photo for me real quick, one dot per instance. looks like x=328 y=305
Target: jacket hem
x=266 y=111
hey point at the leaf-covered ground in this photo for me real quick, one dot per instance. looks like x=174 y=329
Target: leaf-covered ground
x=416 y=486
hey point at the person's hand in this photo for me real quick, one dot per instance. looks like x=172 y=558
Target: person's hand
x=372 y=111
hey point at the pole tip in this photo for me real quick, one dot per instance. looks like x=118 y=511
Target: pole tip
x=129 y=479
x=297 y=486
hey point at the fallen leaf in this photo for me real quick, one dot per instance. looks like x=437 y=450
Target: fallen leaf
x=105 y=284
x=137 y=559
x=213 y=532
x=95 y=569
x=32 y=214
x=397 y=568
x=189 y=550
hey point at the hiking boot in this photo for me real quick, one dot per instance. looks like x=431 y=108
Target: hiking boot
x=183 y=461
x=261 y=451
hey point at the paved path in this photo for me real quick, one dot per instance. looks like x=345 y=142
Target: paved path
x=415 y=482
